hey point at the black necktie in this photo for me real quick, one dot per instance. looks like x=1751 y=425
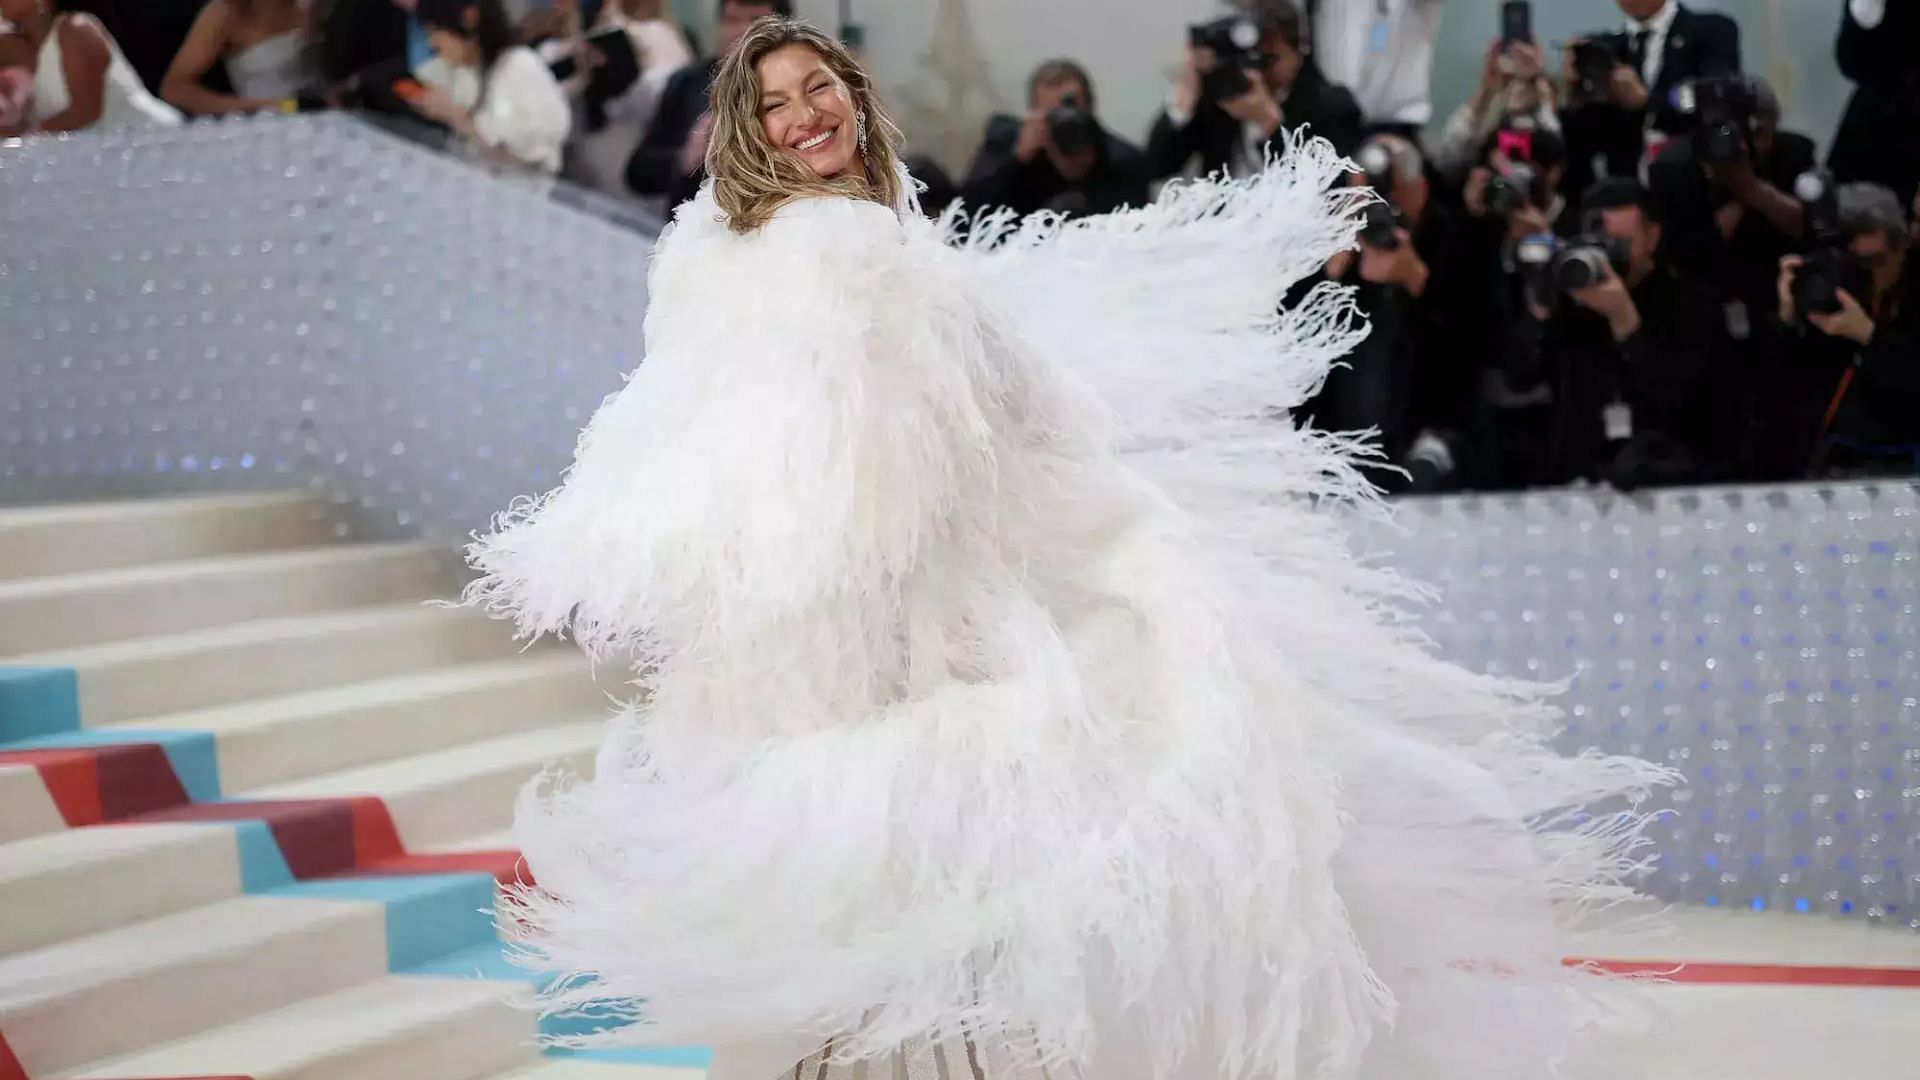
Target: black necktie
x=1637 y=51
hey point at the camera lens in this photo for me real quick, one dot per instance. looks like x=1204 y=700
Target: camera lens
x=1580 y=268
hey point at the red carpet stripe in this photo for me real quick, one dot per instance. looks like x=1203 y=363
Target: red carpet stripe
x=1728 y=974
x=10 y=1067
x=95 y=784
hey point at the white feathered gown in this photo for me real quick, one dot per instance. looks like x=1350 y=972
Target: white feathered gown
x=955 y=725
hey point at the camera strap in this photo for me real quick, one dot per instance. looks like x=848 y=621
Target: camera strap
x=1833 y=409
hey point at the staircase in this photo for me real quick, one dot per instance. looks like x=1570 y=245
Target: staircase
x=254 y=802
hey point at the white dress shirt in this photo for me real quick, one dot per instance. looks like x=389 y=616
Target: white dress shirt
x=1382 y=50
x=1657 y=30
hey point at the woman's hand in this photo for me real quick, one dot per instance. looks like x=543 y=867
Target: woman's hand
x=438 y=105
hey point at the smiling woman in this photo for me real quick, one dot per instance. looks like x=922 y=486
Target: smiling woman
x=795 y=116
x=989 y=730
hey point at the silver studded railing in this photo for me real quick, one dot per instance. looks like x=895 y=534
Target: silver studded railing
x=1761 y=641
x=310 y=302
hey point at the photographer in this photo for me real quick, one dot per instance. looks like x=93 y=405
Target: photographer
x=1620 y=85
x=1404 y=237
x=1514 y=92
x=1854 y=305
x=1875 y=140
x=1247 y=81
x=1626 y=347
x=1725 y=191
x=1515 y=190
x=1058 y=157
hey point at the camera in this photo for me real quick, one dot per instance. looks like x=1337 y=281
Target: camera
x=1583 y=262
x=1829 y=266
x=1070 y=126
x=1552 y=268
x=1379 y=223
x=1235 y=44
x=1594 y=59
x=1722 y=108
x=1376 y=164
x=1519 y=187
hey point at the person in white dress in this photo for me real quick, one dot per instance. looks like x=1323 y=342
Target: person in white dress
x=520 y=115
x=266 y=45
x=80 y=77
x=1009 y=704
x=598 y=158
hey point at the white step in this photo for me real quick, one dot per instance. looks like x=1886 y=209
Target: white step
x=80 y=881
x=469 y=790
x=75 y=537
x=275 y=740
x=72 y=610
x=112 y=993
x=124 y=680
x=393 y=1028
x=26 y=807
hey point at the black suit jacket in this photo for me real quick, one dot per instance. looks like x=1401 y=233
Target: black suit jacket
x=654 y=169
x=1875 y=139
x=999 y=178
x=1325 y=108
x=1701 y=44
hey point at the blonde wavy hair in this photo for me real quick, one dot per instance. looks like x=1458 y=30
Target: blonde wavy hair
x=752 y=178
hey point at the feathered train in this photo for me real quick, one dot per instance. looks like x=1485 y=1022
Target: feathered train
x=1003 y=676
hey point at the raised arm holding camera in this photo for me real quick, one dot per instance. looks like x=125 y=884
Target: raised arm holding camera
x=1058 y=157
x=1725 y=190
x=1620 y=86
x=1383 y=385
x=1248 y=80
x=1854 y=303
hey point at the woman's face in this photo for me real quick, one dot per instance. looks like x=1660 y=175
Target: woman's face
x=450 y=46
x=806 y=111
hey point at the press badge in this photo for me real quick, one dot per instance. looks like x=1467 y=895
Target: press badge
x=1618 y=418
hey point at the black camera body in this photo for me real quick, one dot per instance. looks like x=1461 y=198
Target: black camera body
x=1554 y=267
x=1829 y=265
x=1235 y=44
x=1519 y=187
x=1594 y=59
x=1379 y=227
x=1071 y=126
x=1583 y=261
x=1722 y=108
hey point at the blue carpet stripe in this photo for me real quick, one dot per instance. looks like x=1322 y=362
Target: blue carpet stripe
x=36 y=701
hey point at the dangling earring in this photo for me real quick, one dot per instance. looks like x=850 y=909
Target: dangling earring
x=860 y=129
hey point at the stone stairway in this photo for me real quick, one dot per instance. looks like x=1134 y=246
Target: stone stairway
x=254 y=801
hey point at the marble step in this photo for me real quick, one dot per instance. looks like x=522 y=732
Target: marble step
x=276 y=740
x=72 y=538
x=443 y=796
x=72 y=610
x=137 y=986
x=75 y=882
x=392 y=1028
x=126 y=680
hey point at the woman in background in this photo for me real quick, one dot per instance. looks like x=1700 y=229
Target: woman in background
x=521 y=115
x=267 y=46
x=80 y=77
x=599 y=158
